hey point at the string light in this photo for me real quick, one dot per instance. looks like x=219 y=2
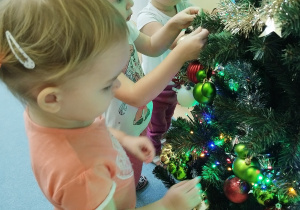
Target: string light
x=292 y=192
x=212 y=145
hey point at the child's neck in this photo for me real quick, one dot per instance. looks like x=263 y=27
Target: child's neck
x=46 y=119
x=167 y=10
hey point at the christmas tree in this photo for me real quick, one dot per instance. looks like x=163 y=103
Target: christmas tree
x=244 y=134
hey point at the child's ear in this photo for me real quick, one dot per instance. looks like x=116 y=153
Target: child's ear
x=49 y=99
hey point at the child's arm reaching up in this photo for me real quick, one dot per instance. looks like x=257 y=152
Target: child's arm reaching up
x=161 y=38
x=148 y=87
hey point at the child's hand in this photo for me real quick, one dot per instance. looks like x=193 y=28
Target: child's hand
x=140 y=146
x=192 y=44
x=183 y=196
x=184 y=18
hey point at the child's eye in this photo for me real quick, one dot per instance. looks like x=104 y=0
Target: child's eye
x=107 y=88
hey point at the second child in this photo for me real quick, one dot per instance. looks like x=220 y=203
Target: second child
x=151 y=19
x=131 y=109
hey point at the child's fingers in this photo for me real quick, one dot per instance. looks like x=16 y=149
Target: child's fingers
x=193 y=10
x=196 y=31
x=194 y=195
x=201 y=32
x=191 y=191
x=186 y=186
x=195 y=191
x=148 y=151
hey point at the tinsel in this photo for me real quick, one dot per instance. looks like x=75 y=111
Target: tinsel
x=246 y=18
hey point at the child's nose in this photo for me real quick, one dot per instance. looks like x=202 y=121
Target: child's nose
x=130 y=4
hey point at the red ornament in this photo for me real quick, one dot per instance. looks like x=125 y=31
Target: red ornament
x=235 y=189
x=192 y=69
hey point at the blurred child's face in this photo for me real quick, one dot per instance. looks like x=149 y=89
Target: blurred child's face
x=88 y=95
x=124 y=7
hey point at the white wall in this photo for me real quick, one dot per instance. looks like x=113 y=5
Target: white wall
x=208 y=5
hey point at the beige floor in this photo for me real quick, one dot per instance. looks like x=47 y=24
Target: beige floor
x=182 y=112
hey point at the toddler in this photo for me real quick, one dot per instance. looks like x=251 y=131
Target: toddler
x=131 y=109
x=150 y=20
x=62 y=58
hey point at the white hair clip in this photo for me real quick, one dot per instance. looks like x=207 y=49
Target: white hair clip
x=28 y=63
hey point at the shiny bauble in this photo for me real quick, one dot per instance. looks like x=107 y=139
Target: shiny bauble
x=192 y=69
x=239 y=167
x=185 y=157
x=185 y=96
x=180 y=173
x=208 y=90
x=164 y=158
x=172 y=168
x=252 y=174
x=241 y=151
x=235 y=189
x=265 y=197
x=201 y=75
x=198 y=95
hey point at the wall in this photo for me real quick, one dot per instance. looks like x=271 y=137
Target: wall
x=208 y=5
x=205 y=4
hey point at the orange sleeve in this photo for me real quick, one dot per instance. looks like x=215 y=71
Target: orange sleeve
x=87 y=191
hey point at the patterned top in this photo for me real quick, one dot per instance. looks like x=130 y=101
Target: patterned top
x=130 y=119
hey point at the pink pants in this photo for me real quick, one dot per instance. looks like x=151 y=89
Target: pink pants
x=163 y=109
x=136 y=163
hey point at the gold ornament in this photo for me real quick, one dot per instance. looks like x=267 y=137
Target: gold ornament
x=164 y=159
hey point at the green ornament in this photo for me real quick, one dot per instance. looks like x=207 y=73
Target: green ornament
x=186 y=157
x=198 y=95
x=253 y=174
x=172 y=168
x=208 y=90
x=241 y=151
x=201 y=75
x=264 y=197
x=239 y=167
x=180 y=174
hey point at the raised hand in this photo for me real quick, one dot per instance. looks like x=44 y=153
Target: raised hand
x=191 y=45
x=184 y=18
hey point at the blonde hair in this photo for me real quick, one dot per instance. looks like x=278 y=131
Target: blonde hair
x=58 y=35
